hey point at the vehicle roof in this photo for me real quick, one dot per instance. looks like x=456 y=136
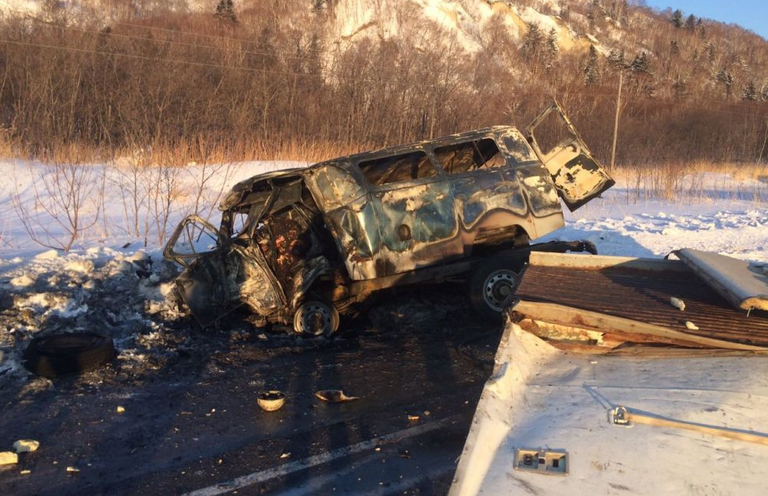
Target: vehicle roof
x=248 y=184
x=458 y=137
x=382 y=152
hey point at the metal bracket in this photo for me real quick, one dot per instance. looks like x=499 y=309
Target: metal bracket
x=546 y=462
x=620 y=416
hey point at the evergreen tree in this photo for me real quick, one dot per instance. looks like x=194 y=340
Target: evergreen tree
x=750 y=92
x=551 y=48
x=532 y=42
x=591 y=70
x=640 y=64
x=726 y=78
x=641 y=75
x=225 y=11
x=690 y=23
x=700 y=29
x=677 y=19
x=616 y=58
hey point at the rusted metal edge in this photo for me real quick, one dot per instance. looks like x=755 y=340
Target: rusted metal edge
x=560 y=314
x=597 y=262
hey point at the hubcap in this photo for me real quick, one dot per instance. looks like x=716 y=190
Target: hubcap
x=498 y=286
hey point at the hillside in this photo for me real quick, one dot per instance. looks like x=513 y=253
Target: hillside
x=116 y=74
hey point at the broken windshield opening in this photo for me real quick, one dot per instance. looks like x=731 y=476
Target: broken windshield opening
x=192 y=238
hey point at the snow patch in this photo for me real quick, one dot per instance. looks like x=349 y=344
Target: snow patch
x=22 y=281
x=47 y=255
x=81 y=266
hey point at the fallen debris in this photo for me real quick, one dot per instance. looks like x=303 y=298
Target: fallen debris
x=690 y=325
x=413 y=418
x=335 y=396
x=72 y=470
x=677 y=303
x=26 y=445
x=25 y=472
x=120 y=409
x=271 y=401
x=8 y=458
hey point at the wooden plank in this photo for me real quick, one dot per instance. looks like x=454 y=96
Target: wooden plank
x=559 y=314
x=597 y=262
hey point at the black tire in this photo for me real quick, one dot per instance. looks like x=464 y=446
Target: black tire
x=63 y=354
x=491 y=284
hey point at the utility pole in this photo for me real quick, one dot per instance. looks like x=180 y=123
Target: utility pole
x=616 y=122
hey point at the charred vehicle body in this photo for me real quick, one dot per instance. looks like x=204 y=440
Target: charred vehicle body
x=299 y=246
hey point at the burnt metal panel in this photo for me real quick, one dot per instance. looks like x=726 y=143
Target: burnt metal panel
x=644 y=296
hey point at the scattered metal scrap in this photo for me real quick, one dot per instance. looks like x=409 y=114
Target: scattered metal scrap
x=335 y=396
x=301 y=246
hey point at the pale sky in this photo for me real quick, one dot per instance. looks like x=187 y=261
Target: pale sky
x=751 y=14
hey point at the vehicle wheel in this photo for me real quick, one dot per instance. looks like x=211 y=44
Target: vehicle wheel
x=316 y=318
x=63 y=354
x=491 y=284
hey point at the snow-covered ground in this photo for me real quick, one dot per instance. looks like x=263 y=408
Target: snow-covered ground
x=115 y=274
x=653 y=228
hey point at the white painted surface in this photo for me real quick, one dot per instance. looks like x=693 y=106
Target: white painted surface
x=544 y=398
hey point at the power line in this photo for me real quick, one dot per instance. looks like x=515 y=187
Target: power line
x=676 y=104
x=178 y=31
x=144 y=57
x=179 y=61
x=175 y=42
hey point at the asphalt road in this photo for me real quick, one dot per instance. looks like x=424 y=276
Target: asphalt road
x=192 y=425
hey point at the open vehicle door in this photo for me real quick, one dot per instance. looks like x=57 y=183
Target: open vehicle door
x=578 y=177
x=192 y=238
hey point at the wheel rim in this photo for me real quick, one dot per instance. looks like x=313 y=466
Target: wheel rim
x=498 y=287
x=315 y=318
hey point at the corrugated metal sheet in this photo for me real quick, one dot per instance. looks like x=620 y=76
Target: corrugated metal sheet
x=644 y=296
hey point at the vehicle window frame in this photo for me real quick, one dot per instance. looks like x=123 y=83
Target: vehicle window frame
x=500 y=139
x=491 y=136
x=440 y=173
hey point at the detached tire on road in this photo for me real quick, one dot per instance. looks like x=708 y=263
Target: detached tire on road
x=64 y=354
x=491 y=283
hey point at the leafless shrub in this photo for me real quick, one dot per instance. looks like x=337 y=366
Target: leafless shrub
x=64 y=205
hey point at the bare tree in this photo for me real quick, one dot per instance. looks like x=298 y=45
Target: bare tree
x=63 y=206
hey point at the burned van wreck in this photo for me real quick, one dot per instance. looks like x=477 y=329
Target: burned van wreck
x=300 y=247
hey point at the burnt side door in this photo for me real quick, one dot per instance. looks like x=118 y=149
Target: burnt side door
x=577 y=175
x=414 y=210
